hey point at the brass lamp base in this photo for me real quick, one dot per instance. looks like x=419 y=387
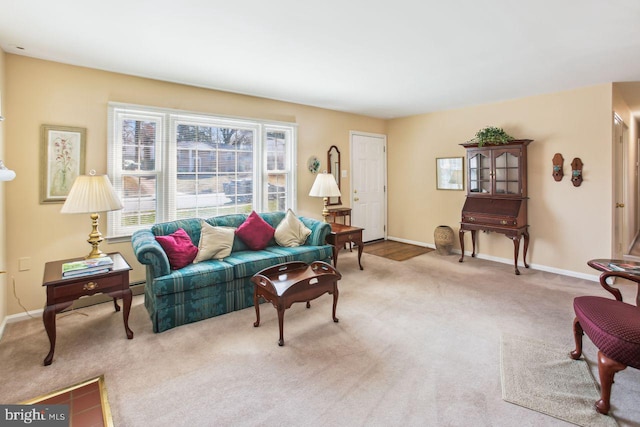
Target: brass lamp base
x=95 y=238
x=325 y=209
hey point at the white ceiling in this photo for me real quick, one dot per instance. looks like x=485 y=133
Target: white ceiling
x=373 y=57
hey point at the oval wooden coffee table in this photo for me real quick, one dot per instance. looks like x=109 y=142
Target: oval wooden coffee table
x=284 y=284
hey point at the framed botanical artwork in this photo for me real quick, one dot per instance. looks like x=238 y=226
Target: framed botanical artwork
x=62 y=156
x=450 y=173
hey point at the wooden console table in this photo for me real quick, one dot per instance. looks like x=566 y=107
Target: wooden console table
x=344 y=213
x=284 y=284
x=62 y=291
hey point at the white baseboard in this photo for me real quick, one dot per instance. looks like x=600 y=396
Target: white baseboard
x=19 y=317
x=577 y=275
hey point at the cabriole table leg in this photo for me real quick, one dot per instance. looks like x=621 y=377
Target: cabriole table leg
x=335 y=301
x=49 y=320
x=281 y=324
x=516 y=251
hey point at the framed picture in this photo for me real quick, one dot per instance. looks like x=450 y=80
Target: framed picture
x=450 y=173
x=62 y=156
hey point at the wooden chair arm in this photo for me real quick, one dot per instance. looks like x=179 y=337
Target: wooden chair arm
x=614 y=291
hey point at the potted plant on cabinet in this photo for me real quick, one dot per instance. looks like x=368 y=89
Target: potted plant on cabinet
x=491 y=135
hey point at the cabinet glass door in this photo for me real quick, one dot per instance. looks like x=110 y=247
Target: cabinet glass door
x=479 y=173
x=507 y=174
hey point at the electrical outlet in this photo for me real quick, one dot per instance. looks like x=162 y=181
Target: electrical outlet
x=344 y=173
x=24 y=264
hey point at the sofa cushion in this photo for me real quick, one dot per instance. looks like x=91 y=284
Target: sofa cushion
x=234 y=221
x=179 y=248
x=255 y=232
x=215 y=242
x=272 y=218
x=304 y=253
x=194 y=276
x=291 y=232
x=248 y=263
x=190 y=225
x=231 y=220
x=319 y=231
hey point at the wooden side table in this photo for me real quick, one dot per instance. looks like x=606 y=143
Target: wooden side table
x=62 y=291
x=341 y=234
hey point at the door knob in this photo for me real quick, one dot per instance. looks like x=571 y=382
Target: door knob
x=355 y=199
x=619 y=205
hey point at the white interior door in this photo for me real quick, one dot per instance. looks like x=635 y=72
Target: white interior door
x=368 y=184
x=620 y=170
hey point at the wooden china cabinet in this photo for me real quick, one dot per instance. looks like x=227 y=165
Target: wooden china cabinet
x=497 y=194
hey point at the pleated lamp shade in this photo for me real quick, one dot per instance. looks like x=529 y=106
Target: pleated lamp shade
x=91 y=193
x=325 y=185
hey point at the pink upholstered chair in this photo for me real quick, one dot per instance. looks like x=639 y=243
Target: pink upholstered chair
x=614 y=328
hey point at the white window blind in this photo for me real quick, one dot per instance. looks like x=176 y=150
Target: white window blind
x=170 y=164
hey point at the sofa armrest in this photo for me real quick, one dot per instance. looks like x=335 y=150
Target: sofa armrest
x=319 y=231
x=149 y=252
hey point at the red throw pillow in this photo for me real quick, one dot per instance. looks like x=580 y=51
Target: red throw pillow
x=255 y=232
x=179 y=248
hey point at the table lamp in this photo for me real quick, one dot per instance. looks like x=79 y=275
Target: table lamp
x=325 y=186
x=92 y=194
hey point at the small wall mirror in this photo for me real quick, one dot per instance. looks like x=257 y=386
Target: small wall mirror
x=333 y=165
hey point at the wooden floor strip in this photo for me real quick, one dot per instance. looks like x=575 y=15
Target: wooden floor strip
x=396 y=251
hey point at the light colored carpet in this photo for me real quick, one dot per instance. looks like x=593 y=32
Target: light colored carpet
x=418 y=344
x=544 y=378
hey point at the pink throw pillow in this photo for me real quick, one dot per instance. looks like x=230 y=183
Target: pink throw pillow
x=179 y=248
x=255 y=232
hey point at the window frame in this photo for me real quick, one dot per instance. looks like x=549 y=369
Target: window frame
x=165 y=155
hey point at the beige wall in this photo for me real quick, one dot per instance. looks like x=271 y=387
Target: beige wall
x=568 y=225
x=3 y=236
x=42 y=92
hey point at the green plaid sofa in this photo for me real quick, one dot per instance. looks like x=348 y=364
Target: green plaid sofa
x=214 y=287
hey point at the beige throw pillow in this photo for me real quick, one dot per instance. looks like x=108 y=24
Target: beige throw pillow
x=215 y=242
x=291 y=231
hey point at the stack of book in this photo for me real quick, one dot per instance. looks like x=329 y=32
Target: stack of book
x=630 y=267
x=87 y=267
